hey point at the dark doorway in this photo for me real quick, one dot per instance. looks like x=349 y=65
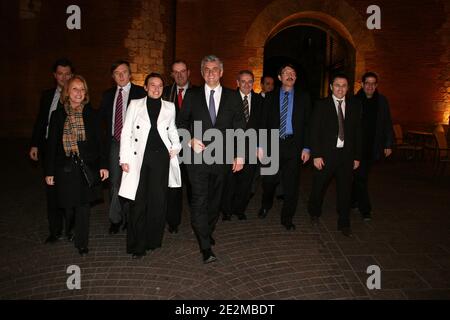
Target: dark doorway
x=315 y=53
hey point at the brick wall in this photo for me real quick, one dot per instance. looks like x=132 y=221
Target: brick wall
x=410 y=52
x=140 y=31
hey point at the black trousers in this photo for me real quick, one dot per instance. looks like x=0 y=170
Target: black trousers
x=288 y=175
x=360 y=189
x=238 y=187
x=79 y=216
x=337 y=165
x=207 y=182
x=55 y=214
x=148 y=211
x=175 y=199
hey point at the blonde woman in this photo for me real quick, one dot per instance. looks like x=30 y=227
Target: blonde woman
x=75 y=149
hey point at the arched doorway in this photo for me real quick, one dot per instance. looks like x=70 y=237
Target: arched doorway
x=316 y=53
x=343 y=24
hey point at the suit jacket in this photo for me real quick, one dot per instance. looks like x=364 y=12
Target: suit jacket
x=133 y=142
x=40 y=125
x=195 y=108
x=256 y=111
x=325 y=129
x=384 y=133
x=107 y=107
x=300 y=116
x=255 y=120
x=170 y=94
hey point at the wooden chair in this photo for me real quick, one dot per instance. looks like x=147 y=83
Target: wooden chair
x=442 y=152
x=401 y=145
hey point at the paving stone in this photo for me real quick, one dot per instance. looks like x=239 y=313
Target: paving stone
x=257 y=259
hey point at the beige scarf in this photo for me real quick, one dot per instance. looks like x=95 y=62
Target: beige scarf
x=73 y=129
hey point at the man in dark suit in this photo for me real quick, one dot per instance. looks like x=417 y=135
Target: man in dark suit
x=49 y=102
x=113 y=110
x=175 y=93
x=267 y=85
x=211 y=107
x=377 y=140
x=288 y=110
x=336 y=150
x=238 y=185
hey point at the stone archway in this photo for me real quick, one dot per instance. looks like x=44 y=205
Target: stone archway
x=330 y=15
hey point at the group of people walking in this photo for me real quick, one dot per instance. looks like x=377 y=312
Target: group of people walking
x=133 y=140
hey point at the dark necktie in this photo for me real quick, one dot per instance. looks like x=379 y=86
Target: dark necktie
x=246 y=109
x=212 y=108
x=341 y=120
x=118 y=121
x=283 y=115
x=180 y=97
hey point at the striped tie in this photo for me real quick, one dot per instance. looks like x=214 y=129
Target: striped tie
x=283 y=115
x=246 y=109
x=118 y=116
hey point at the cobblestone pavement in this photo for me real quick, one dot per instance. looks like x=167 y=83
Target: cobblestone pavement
x=409 y=239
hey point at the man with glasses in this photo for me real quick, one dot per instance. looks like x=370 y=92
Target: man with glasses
x=377 y=140
x=288 y=110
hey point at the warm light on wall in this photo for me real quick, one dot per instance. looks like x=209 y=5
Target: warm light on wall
x=445 y=117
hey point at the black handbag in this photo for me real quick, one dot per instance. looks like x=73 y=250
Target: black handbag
x=91 y=176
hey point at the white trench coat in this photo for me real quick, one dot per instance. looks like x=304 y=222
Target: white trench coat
x=134 y=140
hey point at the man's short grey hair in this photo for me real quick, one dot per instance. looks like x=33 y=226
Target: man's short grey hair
x=210 y=58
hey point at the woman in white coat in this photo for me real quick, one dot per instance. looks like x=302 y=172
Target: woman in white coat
x=149 y=146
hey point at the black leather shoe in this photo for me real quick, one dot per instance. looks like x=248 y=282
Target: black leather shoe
x=125 y=226
x=51 y=239
x=114 y=228
x=289 y=226
x=315 y=221
x=367 y=217
x=263 y=213
x=138 y=256
x=242 y=216
x=208 y=256
x=173 y=229
x=70 y=237
x=212 y=241
x=226 y=217
x=83 y=251
x=346 y=231
x=280 y=197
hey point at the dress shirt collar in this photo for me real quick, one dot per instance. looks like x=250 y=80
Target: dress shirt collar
x=125 y=88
